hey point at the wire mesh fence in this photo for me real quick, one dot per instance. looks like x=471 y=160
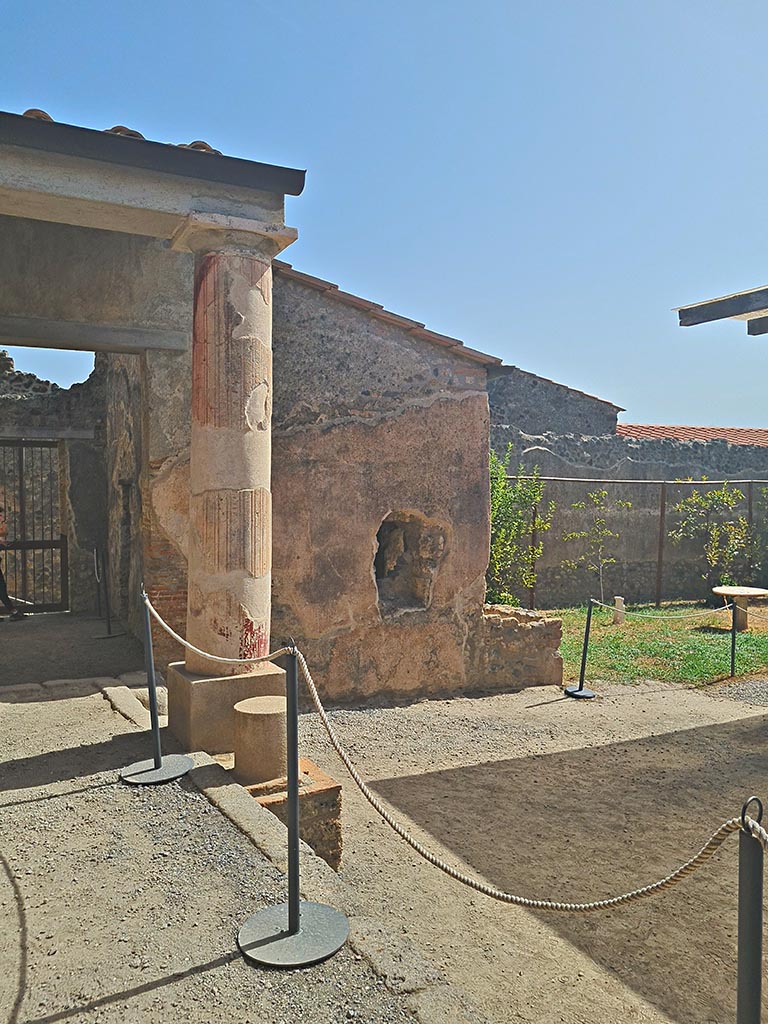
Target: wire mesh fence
x=642 y=562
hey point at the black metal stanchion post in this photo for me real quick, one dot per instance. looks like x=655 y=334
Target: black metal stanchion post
x=733 y=640
x=296 y=933
x=107 y=606
x=158 y=768
x=581 y=691
x=292 y=768
x=109 y=635
x=750 y=976
x=97 y=577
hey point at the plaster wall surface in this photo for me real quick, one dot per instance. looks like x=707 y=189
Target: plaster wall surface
x=59 y=272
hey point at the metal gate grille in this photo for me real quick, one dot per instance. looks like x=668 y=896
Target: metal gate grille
x=36 y=567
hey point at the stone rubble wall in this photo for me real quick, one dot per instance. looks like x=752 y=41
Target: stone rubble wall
x=514 y=645
x=544 y=406
x=18 y=384
x=28 y=404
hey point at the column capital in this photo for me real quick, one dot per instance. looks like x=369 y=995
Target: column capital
x=202 y=233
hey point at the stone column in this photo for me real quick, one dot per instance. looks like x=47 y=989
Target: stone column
x=230 y=542
x=230 y=515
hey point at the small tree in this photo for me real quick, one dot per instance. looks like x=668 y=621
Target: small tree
x=728 y=546
x=596 y=538
x=515 y=515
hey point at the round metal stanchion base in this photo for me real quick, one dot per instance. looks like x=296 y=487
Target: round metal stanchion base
x=264 y=937
x=581 y=694
x=144 y=773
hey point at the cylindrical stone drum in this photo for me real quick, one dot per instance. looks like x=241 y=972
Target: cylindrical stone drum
x=260 y=753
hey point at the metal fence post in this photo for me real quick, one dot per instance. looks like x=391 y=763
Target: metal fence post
x=158 y=768
x=534 y=542
x=750 y=956
x=660 y=549
x=296 y=933
x=580 y=690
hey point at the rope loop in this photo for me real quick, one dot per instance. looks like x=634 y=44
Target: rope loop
x=752 y=800
x=205 y=654
x=654 y=615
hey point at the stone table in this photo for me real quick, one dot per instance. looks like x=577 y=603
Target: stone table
x=740 y=596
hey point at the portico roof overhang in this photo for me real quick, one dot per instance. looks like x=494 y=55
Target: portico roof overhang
x=108 y=265
x=751 y=306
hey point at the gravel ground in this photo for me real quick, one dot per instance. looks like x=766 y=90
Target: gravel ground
x=128 y=900
x=563 y=799
x=750 y=691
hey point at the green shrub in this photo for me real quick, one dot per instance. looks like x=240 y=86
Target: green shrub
x=596 y=538
x=515 y=514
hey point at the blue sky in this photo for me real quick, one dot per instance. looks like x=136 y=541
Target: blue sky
x=543 y=181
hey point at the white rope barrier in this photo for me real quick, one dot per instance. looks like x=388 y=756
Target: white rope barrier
x=205 y=654
x=704 y=854
x=661 y=615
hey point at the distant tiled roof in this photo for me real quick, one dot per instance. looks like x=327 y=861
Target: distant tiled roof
x=733 y=435
x=413 y=327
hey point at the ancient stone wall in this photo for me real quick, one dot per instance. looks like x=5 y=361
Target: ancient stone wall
x=124 y=459
x=18 y=384
x=380 y=504
x=538 y=405
x=613 y=457
x=30 y=407
x=148 y=465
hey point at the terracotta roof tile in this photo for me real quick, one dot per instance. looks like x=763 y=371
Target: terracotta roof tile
x=414 y=327
x=733 y=435
x=130 y=133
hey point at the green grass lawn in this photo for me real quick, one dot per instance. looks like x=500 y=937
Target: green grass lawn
x=693 y=651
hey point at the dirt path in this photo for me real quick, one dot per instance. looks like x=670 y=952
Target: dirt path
x=121 y=904
x=572 y=800
x=64 y=646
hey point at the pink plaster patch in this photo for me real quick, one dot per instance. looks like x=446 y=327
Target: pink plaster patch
x=221 y=629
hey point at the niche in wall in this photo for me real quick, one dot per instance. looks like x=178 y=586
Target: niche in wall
x=409 y=551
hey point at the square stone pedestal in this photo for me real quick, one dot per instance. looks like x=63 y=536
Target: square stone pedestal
x=201 y=708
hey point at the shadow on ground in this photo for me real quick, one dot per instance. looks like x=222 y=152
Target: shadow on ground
x=590 y=823
x=64 y=646
x=68 y=764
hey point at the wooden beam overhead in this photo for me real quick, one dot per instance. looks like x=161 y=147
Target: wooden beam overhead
x=723 y=309
x=759 y=325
